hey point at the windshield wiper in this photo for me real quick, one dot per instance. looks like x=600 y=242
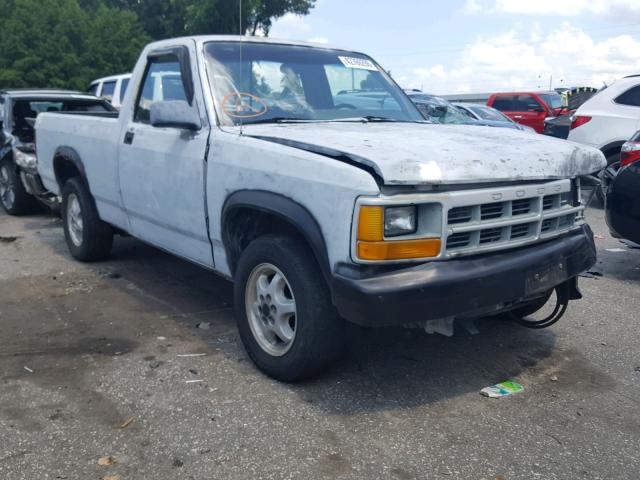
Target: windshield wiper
x=279 y=120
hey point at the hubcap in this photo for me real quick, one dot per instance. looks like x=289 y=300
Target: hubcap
x=74 y=220
x=7 y=194
x=271 y=309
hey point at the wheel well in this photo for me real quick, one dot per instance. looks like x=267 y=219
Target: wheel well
x=65 y=169
x=243 y=225
x=611 y=150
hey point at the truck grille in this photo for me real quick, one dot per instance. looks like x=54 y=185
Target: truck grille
x=510 y=222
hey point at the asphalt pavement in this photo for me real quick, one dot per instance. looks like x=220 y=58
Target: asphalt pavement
x=133 y=369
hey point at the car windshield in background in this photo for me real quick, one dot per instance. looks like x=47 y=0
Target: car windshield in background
x=486 y=113
x=554 y=100
x=439 y=110
x=262 y=83
x=25 y=111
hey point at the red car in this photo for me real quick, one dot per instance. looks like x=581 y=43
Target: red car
x=529 y=108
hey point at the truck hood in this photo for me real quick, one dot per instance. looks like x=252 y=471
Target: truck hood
x=414 y=153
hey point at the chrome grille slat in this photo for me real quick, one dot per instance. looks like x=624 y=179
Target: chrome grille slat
x=476 y=227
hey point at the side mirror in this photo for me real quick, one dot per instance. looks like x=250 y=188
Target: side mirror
x=175 y=114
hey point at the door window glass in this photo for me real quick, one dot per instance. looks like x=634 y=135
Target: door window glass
x=630 y=97
x=527 y=103
x=123 y=87
x=93 y=89
x=505 y=104
x=107 y=90
x=162 y=81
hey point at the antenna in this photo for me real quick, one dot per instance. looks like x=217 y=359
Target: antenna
x=241 y=67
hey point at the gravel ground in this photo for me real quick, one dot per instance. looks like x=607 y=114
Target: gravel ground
x=98 y=360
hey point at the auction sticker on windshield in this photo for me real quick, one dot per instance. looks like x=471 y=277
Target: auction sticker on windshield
x=353 y=62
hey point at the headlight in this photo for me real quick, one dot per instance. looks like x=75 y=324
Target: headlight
x=24 y=159
x=399 y=221
x=376 y=224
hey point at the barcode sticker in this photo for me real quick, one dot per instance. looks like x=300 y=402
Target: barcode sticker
x=362 y=63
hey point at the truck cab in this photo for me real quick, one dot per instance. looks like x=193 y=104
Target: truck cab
x=529 y=108
x=306 y=176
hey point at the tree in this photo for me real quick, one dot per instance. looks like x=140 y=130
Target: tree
x=58 y=44
x=174 y=18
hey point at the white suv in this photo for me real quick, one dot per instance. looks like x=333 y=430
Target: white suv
x=609 y=118
x=111 y=88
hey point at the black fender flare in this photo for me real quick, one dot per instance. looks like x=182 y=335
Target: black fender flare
x=71 y=155
x=617 y=145
x=286 y=209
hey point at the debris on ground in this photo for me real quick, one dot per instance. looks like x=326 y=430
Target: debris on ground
x=502 y=389
x=193 y=371
x=598 y=237
x=554 y=378
x=161 y=338
x=178 y=463
x=28 y=369
x=112 y=477
x=615 y=250
x=155 y=364
x=127 y=422
x=203 y=325
x=630 y=244
x=194 y=381
x=192 y=355
x=6 y=239
x=591 y=274
x=107 y=460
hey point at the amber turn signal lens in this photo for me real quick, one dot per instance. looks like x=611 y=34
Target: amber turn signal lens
x=400 y=250
x=371 y=224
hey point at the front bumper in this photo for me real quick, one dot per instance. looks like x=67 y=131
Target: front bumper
x=464 y=287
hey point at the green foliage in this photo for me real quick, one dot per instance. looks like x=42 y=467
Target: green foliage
x=69 y=43
x=58 y=44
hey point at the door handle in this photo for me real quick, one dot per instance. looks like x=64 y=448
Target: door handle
x=517 y=116
x=128 y=137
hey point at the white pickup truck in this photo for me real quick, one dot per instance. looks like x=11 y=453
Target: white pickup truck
x=305 y=174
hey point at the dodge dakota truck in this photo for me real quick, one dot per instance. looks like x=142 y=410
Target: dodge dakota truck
x=304 y=174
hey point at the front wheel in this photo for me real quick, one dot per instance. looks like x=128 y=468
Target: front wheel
x=283 y=307
x=88 y=238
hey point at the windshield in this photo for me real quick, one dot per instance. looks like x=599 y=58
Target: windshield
x=439 y=110
x=554 y=100
x=283 y=82
x=487 y=113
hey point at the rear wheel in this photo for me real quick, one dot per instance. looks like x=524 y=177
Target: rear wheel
x=88 y=238
x=13 y=196
x=285 y=317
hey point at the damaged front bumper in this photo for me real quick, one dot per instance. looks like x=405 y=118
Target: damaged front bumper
x=466 y=287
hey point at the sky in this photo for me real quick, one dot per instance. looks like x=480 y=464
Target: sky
x=477 y=46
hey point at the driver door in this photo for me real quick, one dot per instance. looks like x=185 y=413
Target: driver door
x=162 y=169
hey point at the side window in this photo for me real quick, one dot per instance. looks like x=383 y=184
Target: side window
x=162 y=81
x=107 y=90
x=93 y=89
x=505 y=104
x=123 y=87
x=527 y=103
x=631 y=97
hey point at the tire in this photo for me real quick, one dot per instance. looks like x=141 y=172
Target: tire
x=315 y=334
x=601 y=190
x=88 y=238
x=14 y=198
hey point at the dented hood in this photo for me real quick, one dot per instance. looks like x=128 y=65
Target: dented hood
x=413 y=153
